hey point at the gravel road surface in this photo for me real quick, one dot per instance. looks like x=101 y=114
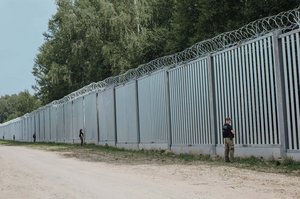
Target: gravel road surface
x=31 y=173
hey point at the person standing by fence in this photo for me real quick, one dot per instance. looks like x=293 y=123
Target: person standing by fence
x=34 y=137
x=81 y=136
x=228 y=135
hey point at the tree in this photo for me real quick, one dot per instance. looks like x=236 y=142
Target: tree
x=12 y=106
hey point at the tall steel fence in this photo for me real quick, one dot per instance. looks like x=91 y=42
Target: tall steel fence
x=179 y=102
x=189 y=104
x=291 y=68
x=245 y=90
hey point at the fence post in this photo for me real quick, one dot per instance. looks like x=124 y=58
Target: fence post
x=137 y=113
x=97 y=118
x=168 y=110
x=279 y=86
x=115 y=116
x=212 y=103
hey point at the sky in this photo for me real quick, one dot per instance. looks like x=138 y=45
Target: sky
x=22 y=24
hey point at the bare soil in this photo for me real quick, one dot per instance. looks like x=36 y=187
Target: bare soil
x=31 y=173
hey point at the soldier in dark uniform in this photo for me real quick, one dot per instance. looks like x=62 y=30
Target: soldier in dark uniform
x=228 y=136
x=81 y=136
x=34 y=137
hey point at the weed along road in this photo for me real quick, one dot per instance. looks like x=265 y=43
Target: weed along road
x=33 y=173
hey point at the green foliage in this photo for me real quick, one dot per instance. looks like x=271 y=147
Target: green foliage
x=13 y=106
x=90 y=40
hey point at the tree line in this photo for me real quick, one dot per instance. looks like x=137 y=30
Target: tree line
x=16 y=105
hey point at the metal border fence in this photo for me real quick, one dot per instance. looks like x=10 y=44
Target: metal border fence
x=180 y=101
x=291 y=63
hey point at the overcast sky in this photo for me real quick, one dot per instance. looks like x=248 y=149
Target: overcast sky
x=22 y=23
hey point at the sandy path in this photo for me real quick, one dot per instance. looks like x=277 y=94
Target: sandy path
x=28 y=173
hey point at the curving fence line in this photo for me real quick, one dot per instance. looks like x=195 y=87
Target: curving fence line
x=179 y=101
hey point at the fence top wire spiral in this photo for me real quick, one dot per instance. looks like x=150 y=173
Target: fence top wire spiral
x=284 y=22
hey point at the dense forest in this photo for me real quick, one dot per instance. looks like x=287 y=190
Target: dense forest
x=16 y=105
x=90 y=40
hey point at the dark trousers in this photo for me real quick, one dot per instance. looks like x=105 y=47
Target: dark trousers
x=81 y=139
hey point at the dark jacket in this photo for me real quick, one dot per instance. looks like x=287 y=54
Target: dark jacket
x=227 y=128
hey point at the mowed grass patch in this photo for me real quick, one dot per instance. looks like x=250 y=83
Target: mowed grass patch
x=113 y=155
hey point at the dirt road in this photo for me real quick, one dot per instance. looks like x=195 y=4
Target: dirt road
x=29 y=173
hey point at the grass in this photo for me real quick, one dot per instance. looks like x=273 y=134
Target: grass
x=97 y=153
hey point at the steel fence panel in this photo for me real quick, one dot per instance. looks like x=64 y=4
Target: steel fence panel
x=295 y=85
x=60 y=121
x=7 y=132
x=263 y=78
x=18 y=131
x=126 y=113
x=47 y=124
x=193 y=87
x=273 y=93
x=15 y=131
x=68 y=131
x=106 y=115
x=268 y=92
x=189 y=104
x=53 y=123
x=291 y=62
x=153 y=115
x=20 y=138
x=78 y=117
x=244 y=98
x=28 y=128
x=246 y=91
x=24 y=130
x=255 y=97
x=41 y=119
x=90 y=118
x=248 y=70
x=11 y=130
x=1 y=131
x=37 y=125
x=22 y=122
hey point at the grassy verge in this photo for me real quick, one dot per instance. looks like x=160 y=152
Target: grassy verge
x=96 y=153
